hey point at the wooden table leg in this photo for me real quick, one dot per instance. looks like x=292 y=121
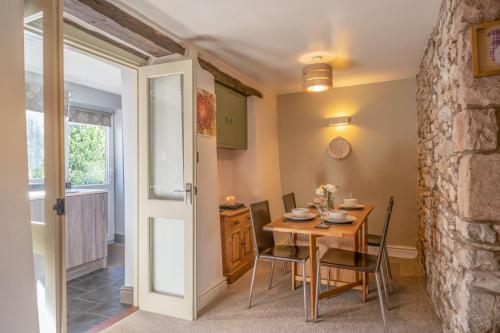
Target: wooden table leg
x=312 y=271
x=364 y=248
x=294 y=265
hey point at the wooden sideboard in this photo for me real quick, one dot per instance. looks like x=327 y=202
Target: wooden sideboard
x=237 y=243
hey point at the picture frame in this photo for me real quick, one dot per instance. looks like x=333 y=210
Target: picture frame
x=486 y=49
x=205 y=112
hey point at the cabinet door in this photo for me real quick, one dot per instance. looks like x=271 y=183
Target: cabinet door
x=220 y=115
x=235 y=250
x=231 y=112
x=75 y=244
x=247 y=242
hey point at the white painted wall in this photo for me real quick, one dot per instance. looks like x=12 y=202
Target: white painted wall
x=130 y=168
x=18 y=313
x=119 y=221
x=209 y=279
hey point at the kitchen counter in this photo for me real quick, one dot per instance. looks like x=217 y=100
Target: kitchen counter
x=39 y=195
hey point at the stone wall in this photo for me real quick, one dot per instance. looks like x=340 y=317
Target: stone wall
x=459 y=173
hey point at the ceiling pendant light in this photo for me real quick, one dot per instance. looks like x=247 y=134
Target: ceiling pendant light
x=317 y=76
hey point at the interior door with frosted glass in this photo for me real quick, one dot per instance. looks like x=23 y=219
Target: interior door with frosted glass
x=166 y=229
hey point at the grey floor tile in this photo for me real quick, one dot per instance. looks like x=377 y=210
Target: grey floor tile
x=92 y=284
x=76 y=306
x=83 y=322
x=110 y=308
x=71 y=283
x=102 y=294
x=110 y=272
x=118 y=283
x=72 y=292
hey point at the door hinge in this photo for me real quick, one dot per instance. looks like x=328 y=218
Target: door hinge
x=59 y=207
x=196 y=190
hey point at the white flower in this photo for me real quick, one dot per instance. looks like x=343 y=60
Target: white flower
x=319 y=191
x=331 y=188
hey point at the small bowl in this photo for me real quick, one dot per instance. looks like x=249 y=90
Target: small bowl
x=337 y=215
x=300 y=212
x=350 y=202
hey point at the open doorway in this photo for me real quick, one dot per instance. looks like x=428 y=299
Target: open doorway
x=98 y=113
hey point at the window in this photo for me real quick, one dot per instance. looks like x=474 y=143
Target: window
x=34 y=128
x=87 y=158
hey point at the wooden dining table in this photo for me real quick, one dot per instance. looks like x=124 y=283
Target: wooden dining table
x=356 y=231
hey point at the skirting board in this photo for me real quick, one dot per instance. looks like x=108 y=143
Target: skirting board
x=406 y=252
x=210 y=294
x=127 y=295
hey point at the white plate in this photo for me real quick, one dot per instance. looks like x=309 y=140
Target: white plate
x=309 y=216
x=358 y=206
x=348 y=219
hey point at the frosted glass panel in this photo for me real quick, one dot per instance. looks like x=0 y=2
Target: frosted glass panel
x=165 y=124
x=167 y=256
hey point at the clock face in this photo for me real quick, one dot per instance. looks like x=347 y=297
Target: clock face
x=339 y=148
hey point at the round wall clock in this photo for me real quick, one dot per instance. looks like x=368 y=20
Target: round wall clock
x=339 y=148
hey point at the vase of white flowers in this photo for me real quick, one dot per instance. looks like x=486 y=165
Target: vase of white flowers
x=327 y=191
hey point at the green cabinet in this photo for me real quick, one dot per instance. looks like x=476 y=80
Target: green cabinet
x=231 y=111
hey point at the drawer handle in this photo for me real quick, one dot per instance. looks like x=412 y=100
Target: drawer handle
x=243 y=243
x=237 y=222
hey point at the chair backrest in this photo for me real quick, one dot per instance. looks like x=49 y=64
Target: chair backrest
x=384 y=232
x=289 y=202
x=260 y=216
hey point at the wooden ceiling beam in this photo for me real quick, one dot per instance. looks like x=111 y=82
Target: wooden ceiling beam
x=107 y=17
x=228 y=81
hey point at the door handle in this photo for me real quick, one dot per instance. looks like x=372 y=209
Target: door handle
x=188 y=193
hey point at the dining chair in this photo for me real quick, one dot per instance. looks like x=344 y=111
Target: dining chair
x=376 y=240
x=267 y=250
x=289 y=203
x=359 y=262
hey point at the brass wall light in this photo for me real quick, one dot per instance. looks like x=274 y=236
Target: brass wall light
x=338 y=121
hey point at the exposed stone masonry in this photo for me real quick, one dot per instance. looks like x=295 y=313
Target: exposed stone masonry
x=459 y=173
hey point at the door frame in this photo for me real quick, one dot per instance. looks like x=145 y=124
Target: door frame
x=80 y=41
x=54 y=31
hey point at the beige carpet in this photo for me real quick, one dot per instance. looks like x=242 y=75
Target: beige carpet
x=280 y=309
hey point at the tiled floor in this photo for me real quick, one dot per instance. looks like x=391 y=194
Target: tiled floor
x=95 y=297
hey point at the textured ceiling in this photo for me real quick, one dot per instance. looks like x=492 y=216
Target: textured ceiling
x=372 y=40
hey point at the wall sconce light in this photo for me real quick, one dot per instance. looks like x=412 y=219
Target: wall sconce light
x=338 y=121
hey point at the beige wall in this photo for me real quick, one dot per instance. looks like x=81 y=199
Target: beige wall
x=253 y=174
x=18 y=311
x=383 y=137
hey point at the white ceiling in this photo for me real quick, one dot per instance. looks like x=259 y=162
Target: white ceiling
x=78 y=67
x=92 y=72
x=374 y=40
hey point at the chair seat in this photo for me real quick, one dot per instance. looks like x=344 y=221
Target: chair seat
x=286 y=252
x=374 y=240
x=344 y=259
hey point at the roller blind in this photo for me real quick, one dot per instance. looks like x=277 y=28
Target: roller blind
x=90 y=114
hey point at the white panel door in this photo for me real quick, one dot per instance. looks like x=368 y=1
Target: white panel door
x=166 y=230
